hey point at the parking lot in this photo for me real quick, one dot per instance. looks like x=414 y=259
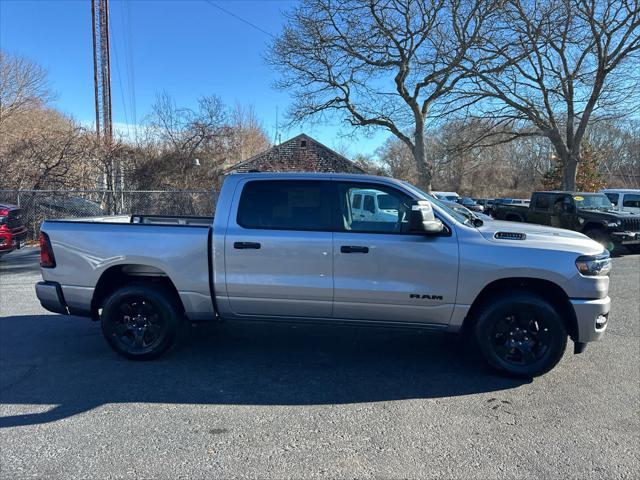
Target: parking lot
x=265 y=401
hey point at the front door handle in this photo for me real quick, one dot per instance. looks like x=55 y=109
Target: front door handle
x=246 y=245
x=353 y=249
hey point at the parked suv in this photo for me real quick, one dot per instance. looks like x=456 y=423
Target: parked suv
x=13 y=233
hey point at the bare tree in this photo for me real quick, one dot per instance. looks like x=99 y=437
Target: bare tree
x=23 y=85
x=391 y=64
x=396 y=158
x=180 y=140
x=558 y=66
x=53 y=156
x=247 y=137
x=185 y=130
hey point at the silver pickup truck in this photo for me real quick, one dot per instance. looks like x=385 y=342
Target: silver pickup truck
x=293 y=247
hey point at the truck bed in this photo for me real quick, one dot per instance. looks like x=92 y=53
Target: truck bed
x=172 y=246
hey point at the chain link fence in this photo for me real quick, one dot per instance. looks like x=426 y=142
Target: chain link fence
x=39 y=205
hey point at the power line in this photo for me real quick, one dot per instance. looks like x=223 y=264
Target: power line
x=237 y=17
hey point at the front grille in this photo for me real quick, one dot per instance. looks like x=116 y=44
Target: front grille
x=631 y=224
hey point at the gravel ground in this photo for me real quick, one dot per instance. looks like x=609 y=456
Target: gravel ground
x=265 y=401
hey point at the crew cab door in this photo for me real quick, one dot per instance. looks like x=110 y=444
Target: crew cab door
x=278 y=249
x=384 y=273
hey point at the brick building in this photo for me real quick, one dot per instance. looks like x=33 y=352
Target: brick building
x=299 y=154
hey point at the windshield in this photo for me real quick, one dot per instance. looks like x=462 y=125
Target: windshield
x=432 y=198
x=597 y=201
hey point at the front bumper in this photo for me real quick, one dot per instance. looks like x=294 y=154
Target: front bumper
x=592 y=318
x=51 y=297
x=626 y=238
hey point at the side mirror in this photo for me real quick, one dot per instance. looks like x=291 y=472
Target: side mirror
x=422 y=219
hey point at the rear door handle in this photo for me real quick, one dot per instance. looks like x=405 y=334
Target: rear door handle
x=353 y=249
x=246 y=245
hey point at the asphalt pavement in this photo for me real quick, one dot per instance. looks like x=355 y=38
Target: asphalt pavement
x=275 y=401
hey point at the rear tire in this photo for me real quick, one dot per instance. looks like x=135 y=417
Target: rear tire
x=140 y=321
x=521 y=335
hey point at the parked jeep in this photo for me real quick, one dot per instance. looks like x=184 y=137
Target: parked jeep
x=588 y=213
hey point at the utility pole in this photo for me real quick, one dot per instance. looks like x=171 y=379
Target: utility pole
x=113 y=178
x=102 y=71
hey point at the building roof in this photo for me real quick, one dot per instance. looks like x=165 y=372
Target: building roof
x=289 y=152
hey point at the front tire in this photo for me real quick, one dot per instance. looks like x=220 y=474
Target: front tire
x=521 y=335
x=140 y=321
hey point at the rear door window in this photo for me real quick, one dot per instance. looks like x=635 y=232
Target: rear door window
x=285 y=205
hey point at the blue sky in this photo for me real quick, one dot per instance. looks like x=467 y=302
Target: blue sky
x=188 y=48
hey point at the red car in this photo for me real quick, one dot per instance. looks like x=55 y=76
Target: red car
x=13 y=233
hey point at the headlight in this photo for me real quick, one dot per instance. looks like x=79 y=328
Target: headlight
x=594 y=265
x=614 y=224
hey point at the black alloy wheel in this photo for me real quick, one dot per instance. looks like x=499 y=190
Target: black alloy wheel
x=521 y=334
x=140 y=321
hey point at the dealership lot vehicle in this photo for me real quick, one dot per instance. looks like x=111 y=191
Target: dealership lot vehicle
x=448 y=196
x=589 y=213
x=288 y=247
x=624 y=199
x=373 y=206
x=470 y=204
x=471 y=215
x=13 y=232
x=270 y=401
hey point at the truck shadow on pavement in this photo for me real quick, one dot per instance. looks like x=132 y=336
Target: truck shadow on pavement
x=64 y=365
